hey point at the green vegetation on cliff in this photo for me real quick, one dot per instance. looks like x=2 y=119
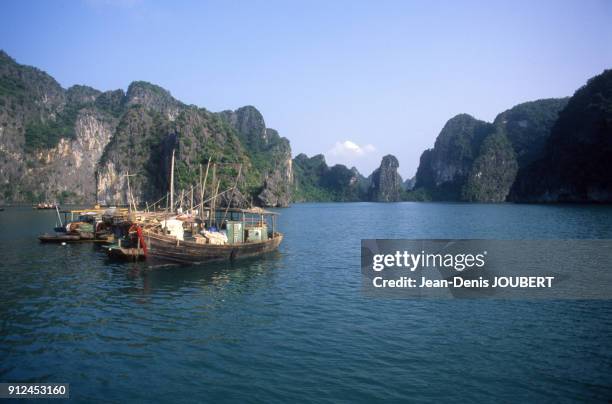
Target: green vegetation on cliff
x=528 y=125
x=315 y=181
x=385 y=181
x=131 y=131
x=47 y=134
x=492 y=172
x=576 y=161
x=477 y=161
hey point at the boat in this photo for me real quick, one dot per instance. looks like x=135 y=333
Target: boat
x=203 y=233
x=235 y=239
x=84 y=225
x=117 y=252
x=59 y=238
x=167 y=248
x=46 y=205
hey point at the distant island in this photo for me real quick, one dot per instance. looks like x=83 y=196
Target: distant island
x=552 y=150
x=77 y=145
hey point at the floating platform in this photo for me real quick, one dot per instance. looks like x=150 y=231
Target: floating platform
x=74 y=238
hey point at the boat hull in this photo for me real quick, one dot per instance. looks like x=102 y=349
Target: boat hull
x=125 y=254
x=168 y=248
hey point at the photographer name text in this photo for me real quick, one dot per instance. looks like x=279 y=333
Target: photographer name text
x=459 y=282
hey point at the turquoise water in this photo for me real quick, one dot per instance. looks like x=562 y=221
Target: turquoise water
x=294 y=326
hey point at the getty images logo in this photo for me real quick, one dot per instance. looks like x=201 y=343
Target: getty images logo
x=412 y=261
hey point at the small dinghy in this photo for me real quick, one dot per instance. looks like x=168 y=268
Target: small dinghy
x=58 y=238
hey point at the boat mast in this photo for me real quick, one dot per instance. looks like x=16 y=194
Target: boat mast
x=200 y=187
x=232 y=195
x=130 y=197
x=214 y=199
x=127 y=174
x=191 y=202
x=203 y=189
x=58 y=216
x=172 y=183
x=214 y=208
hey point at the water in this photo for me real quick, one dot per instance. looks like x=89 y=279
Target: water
x=294 y=326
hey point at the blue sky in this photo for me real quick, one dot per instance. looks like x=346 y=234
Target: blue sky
x=351 y=79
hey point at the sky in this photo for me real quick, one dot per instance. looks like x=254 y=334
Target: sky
x=354 y=80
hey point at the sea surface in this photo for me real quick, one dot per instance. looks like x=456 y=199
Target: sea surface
x=294 y=326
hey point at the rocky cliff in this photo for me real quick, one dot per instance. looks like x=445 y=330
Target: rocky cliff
x=444 y=169
x=477 y=161
x=77 y=145
x=385 y=181
x=50 y=138
x=575 y=164
x=269 y=154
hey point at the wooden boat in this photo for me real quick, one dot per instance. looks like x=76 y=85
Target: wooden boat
x=125 y=253
x=89 y=225
x=59 y=238
x=165 y=247
x=202 y=233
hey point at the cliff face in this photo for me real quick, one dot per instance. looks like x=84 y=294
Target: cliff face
x=576 y=162
x=477 y=161
x=444 y=169
x=77 y=145
x=153 y=98
x=385 y=181
x=270 y=154
x=527 y=126
x=50 y=138
x=492 y=172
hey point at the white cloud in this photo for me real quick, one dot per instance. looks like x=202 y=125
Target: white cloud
x=351 y=154
x=349 y=149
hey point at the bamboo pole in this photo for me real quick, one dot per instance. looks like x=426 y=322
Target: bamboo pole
x=58 y=216
x=172 y=183
x=130 y=197
x=233 y=190
x=191 y=202
x=204 y=187
x=181 y=201
x=214 y=200
x=200 y=183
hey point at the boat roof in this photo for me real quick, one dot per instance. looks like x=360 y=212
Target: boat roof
x=254 y=210
x=123 y=211
x=95 y=211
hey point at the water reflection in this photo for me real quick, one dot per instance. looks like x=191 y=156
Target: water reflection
x=151 y=277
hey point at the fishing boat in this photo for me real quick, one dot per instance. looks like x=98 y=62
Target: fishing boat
x=59 y=238
x=83 y=225
x=246 y=237
x=202 y=233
